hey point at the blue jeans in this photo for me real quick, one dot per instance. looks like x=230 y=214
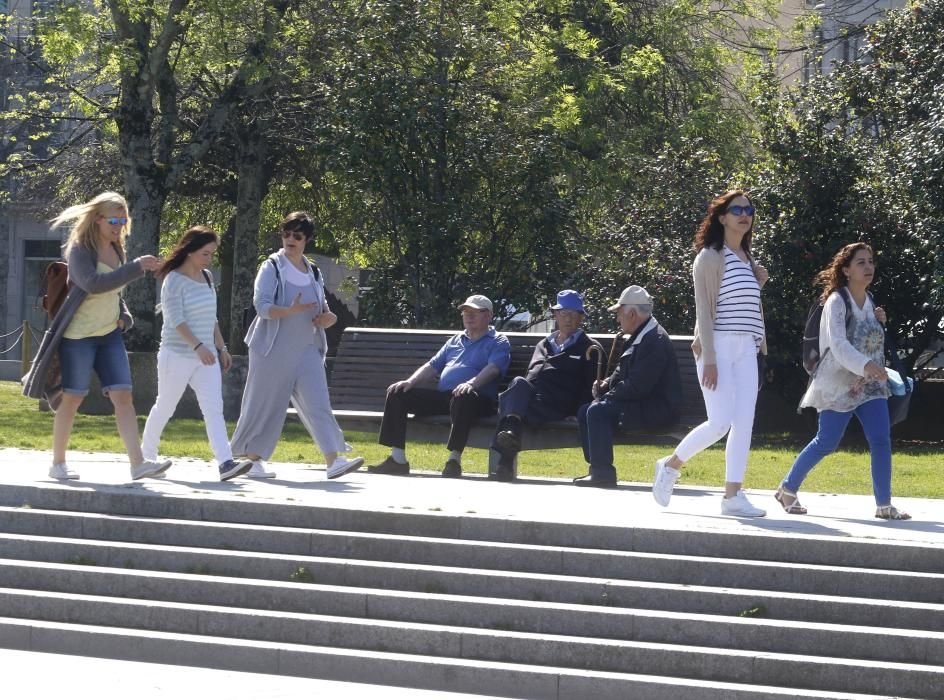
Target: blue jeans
x=105 y=354
x=873 y=415
x=597 y=422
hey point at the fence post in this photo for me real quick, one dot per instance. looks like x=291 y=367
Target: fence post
x=26 y=349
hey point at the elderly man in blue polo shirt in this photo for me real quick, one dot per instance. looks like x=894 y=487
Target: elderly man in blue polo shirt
x=468 y=367
x=559 y=380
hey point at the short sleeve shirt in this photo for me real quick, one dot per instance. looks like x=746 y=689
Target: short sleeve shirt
x=460 y=359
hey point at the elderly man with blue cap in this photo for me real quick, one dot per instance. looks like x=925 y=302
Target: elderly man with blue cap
x=559 y=379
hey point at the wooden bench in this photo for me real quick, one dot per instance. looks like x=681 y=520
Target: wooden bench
x=370 y=359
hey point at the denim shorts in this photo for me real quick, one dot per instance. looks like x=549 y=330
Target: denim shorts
x=105 y=354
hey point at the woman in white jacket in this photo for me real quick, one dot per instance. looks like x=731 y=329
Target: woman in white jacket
x=850 y=378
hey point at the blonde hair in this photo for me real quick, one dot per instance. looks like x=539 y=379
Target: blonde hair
x=83 y=230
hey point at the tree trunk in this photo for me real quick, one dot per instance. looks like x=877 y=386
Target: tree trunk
x=253 y=184
x=225 y=295
x=146 y=203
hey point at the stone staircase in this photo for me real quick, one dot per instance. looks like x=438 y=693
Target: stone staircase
x=466 y=603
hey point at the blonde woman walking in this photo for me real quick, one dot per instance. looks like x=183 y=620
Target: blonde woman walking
x=85 y=334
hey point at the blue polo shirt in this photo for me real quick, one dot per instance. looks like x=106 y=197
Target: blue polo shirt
x=460 y=359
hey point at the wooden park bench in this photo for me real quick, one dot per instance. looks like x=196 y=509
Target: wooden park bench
x=370 y=359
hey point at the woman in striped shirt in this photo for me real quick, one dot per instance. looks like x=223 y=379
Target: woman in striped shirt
x=729 y=336
x=190 y=343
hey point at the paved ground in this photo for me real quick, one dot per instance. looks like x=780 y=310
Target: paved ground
x=631 y=505
x=46 y=676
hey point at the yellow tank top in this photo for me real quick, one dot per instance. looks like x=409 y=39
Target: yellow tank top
x=98 y=314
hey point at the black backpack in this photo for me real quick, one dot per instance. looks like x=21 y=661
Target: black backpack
x=811 y=358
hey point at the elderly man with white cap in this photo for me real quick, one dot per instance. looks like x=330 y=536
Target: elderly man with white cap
x=467 y=369
x=559 y=380
x=643 y=393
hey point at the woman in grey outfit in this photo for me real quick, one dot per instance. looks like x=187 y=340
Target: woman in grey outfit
x=287 y=347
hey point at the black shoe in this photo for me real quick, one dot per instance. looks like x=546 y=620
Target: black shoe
x=502 y=473
x=452 y=470
x=508 y=442
x=390 y=466
x=588 y=480
x=231 y=468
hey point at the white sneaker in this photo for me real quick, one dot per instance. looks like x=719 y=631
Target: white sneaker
x=664 y=481
x=62 y=471
x=259 y=471
x=150 y=468
x=341 y=466
x=741 y=507
x=160 y=474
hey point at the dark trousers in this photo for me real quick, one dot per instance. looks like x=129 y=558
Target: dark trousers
x=523 y=399
x=598 y=422
x=464 y=411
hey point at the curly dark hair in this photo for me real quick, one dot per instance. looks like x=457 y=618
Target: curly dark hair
x=710 y=233
x=831 y=277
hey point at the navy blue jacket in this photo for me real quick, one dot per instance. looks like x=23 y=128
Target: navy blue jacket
x=647 y=380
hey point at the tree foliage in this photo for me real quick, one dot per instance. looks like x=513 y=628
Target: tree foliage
x=858 y=155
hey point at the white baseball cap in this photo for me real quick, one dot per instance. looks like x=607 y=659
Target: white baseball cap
x=632 y=295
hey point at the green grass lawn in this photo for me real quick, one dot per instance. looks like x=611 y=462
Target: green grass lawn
x=917 y=469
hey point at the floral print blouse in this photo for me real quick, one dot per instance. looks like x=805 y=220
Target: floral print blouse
x=839 y=383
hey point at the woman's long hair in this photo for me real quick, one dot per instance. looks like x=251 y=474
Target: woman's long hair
x=83 y=230
x=194 y=239
x=832 y=277
x=710 y=233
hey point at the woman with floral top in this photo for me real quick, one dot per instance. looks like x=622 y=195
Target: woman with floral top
x=850 y=378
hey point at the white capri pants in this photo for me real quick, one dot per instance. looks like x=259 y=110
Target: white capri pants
x=174 y=373
x=730 y=405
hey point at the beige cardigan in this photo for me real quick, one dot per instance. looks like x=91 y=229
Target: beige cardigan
x=707 y=271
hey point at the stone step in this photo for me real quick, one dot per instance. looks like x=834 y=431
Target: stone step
x=626 y=624
x=415 y=670
x=771 y=547
x=485 y=609
x=304 y=548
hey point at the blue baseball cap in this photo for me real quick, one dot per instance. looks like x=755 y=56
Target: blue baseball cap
x=569 y=299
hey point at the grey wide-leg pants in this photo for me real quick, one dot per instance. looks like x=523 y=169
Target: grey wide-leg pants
x=274 y=380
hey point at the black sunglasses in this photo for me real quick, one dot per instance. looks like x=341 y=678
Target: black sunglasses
x=738 y=210
x=297 y=235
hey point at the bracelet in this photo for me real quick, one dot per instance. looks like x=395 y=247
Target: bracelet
x=222 y=349
x=197 y=346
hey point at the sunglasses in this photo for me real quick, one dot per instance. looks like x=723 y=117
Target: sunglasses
x=738 y=210
x=297 y=235
x=116 y=220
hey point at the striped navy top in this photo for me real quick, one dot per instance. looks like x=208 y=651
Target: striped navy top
x=739 y=299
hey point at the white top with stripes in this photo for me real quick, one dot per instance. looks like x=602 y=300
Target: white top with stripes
x=184 y=300
x=739 y=299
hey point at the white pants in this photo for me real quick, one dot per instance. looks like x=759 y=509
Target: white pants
x=174 y=373
x=730 y=405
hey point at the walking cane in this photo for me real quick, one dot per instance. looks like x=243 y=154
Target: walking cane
x=600 y=367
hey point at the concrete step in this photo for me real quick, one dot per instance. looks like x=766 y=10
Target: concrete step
x=759 y=546
x=411 y=670
x=710 y=642
x=294 y=546
x=485 y=609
